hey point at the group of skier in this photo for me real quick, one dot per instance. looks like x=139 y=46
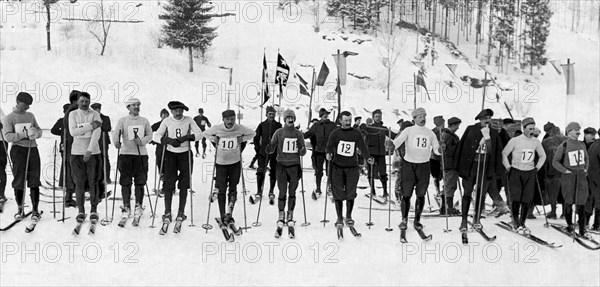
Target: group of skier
x=484 y=157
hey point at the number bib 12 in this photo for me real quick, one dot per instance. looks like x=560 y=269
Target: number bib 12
x=290 y=145
x=345 y=148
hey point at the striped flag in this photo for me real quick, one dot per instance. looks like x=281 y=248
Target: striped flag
x=323 y=73
x=303 y=86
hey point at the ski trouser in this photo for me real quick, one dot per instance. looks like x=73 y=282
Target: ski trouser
x=133 y=167
x=18 y=155
x=263 y=161
x=3 y=162
x=344 y=181
x=83 y=172
x=450 y=182
x=176 y=169
x=379 y=168
x=287 y=182
x=227 y=176
x=318 y=159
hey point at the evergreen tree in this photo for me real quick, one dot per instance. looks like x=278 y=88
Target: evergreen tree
x=537 y=20
x=504 y=20
x=187 y=26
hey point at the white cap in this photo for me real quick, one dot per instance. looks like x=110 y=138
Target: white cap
x=132 y=101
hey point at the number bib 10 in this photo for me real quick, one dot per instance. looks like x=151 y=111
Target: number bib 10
x=227 y=143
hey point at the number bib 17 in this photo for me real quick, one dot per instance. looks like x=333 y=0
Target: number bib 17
x=345 y=148
x=290 y=145
x=527 y=156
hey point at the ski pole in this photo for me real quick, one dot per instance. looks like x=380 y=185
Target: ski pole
x=444 y=187
x=162 y=162
x=104 y=175
x=190 y=157
x=327 y=186
x=207 y=225
x=303 y=191
x=54 y=181
x=389 y=228
x=370 y=223
x=26 y=167
x=246 y=227
x=481 y=191
x=7 y=153
x=64 y=173
x=257 y=223
x=108 y=220
x=542 y=198
x=142 y=166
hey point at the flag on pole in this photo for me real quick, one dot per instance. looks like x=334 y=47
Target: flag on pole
x=420 y=81
x=569 y=70
x=340 y=63
x=282 y=72
x=265 y=74
x=265 y=77
x=553 y=62
x=452 y=68
x=323 y=73
x=338 y=89
x=303 y=86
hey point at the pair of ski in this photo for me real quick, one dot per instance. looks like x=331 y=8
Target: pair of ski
x=135 y=222
x=508 y=227
x=588 y=243
x=291 y=229
x=33 y=224
x=229 y=236
x=165 y=226
x=16 y=221
x=419 y=231
x=253 y=199
x=465 y=238
x=340 y=231
x=379 y=199
x=92 y=231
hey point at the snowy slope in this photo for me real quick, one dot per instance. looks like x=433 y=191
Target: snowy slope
x=133 y=65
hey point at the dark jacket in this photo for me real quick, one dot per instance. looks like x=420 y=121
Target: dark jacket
x=550 y=145
x=466 y=152
x=436 y=132
x=321 y=131
x=594 y=169
x=451 y=140
x=57 y=130
x=67 y=133
x=106 y=127
x=375 y=137
x=504 y=137
x=198 y=119
x=264 y=132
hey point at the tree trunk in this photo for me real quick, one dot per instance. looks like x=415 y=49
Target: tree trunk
x=191 y=57
x=48 y=26
x=489 y=53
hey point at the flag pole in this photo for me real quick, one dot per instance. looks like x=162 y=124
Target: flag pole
x=312 y=90
x=415 y=89
x=340 y=84
x=484 y=89
x=567 y=93
x=262 y=86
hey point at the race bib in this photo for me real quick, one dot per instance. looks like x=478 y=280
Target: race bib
x=576 y=158
x=227 y=143
x=527 y=156
x=345 y=148
x=132 y=131
x=290 y=145
x=176 y=132
x=421 y=142
x=22 y=129
x=85 y=135
x=203 y=123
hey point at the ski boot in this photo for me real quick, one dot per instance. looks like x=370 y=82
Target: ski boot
x=271 y=198
x=203 y=155
x=254 y=199
x=280 y=224
x=551 y=215
x=137 y=214
x=230 y=222
x=94 y=216
x=418 y=226
x=477 y=226
x=20 y=214
x=339 y=225
x=291 y=223
x=36 y=216
x=463 y=226
x=404 y=224
x=524 y=230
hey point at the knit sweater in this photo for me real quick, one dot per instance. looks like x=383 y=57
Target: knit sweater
x=419 y=143
x=173 y=128
x=343 y=143
x=15 y=126
x=128 y=127
x=574 y=157
x=85 y=137
x=523 y=150
x=289 y=143
x=228 y=150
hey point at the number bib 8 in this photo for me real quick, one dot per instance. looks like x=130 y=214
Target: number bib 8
x=345 y=148
x=290 y=145
x=227 y=143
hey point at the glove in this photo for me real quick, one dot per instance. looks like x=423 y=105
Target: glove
x=269 y=149
x=389 y=144
x=87 y=156
x=1 y=126
x=96 y=124
x=240 y=139
x=329 y=156
x=173 y=142
x=138 y=141
x=186 y=138
x=302 y=151
x=32 y=133
x=118 y=145
x=486 y=133
x=371 y=160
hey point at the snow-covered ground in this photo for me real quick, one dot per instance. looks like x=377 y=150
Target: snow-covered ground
x=134 y=66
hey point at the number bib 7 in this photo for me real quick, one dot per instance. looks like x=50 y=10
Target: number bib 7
x=290 y=145
x=576 y=158
x=345 y=148
x=133 y=130
x=227 y=143
x=22 y=129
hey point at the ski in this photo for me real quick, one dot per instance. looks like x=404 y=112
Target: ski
x=579 y=239
x=506 y=226
x=279 y=229
x=235 y=230
x=78 y=226
x=93 y=223
x=340 y=231
x=423 y=236
x=177 y=227
x=483 y=234
x=165 y=227
x=15 y=222
x=123 y=221
x=2 y=206
x=136 y=220
x=228 y=236
x=403 y=236
x=464 y=237
x=376 y=198
x=354 y=232
x=33 y=224
x=291 y=229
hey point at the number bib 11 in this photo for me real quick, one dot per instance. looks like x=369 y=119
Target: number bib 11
x=345 y=148
x=290 y=145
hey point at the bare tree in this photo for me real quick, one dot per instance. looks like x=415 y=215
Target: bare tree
x=390 y=47
x=47 y=4
x=102 y=35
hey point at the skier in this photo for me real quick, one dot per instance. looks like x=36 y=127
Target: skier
x=136 y=133
x=320 y=131
x=58 y=130
x=289 y=144
x=69 y=183
x=435 y=161
x=589 y=137
x=479 y=145
x=229 y=139
x=552 y=175
x=357 y=122
x=202 y=122
x=420 y=141
x=106 y=127
x=21 y=129
x=571 y=159
x=341 y=148
x=594 y=185
x=164 y=113
x=400 y=153
x=176 y=133
x=3 y=162
x=450 y=140
x=376 y=135
x=522 y=172
x=262 y=138
x=84 y=124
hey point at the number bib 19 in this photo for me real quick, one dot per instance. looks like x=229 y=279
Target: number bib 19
x=290 y=145
x=576 y=158
x=345 y=148
x=227 y=143
x=132 y=131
